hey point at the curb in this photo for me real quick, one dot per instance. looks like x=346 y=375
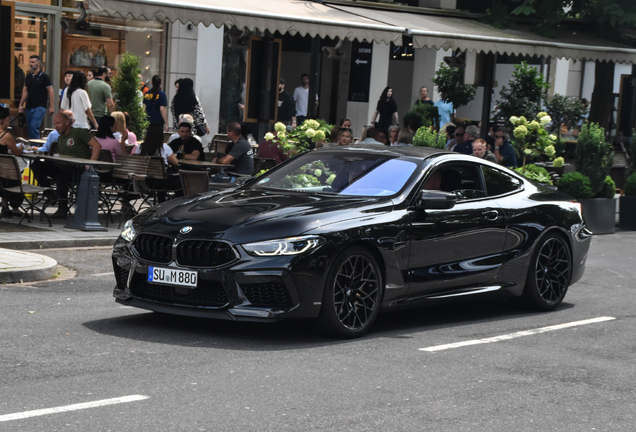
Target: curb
x=56 y=244
x=43 y=270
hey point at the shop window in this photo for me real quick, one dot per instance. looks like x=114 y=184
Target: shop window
x=100 y=41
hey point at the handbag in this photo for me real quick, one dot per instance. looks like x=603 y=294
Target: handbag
x=32 y=48
x=200 y=130
x=80 y=56
x=18 y=46
x=18 y=32
x=99 y=59
x=31 y=33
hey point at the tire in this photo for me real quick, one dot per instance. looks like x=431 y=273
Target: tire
x=352 y=295
x=549 y=274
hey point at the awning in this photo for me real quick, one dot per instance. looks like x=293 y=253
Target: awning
x=444 y=32
x=284 y=16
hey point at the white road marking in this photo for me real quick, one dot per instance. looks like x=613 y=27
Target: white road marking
x=75 y=407
x=103 y=274
x=516 y=335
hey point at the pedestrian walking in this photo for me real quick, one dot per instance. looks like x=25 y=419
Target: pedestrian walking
x=387 y=109
x=286 y=106
x=100 y=95
x=187 y=102
x=156 y=104
x=424 y=99
x=77 y=101
x=68 y=77
x=36 y=91
x=301 y=98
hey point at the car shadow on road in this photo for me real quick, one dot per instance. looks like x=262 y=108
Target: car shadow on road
x=292 y=334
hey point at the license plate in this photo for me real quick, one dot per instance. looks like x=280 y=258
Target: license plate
x=169 y=276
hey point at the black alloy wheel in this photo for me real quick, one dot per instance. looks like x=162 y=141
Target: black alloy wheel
x=549 y=274
x=352 y=296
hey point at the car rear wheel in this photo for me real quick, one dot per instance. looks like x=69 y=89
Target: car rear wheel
x=352 y=296
x=549 y=274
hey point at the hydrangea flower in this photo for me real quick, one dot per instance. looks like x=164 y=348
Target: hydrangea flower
x=319 y=136
x=310 y=133
x=534 y=126
x=280 y=127
x=317 y=173
x=528 y=151
x=541 y=115
x=545 y=120
x=558 y=162
x=313 y=124
x=520 y=132
x=553 y=137
x=549 y=151
x=514 y=120
x=523 y=121
x=269 y=136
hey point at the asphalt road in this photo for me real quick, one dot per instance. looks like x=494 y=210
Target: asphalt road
x=64 y=343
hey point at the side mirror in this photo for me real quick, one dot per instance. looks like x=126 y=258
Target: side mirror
x=436 y=200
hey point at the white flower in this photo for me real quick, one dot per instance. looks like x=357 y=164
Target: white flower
x=514 y=120
x=541 y=115
x=280 y=127
x=527 y=151
x=269 y=136
x=553 y=137
x=310 y=133
x=545 y=120
x=313 y=124
x=320 y=135
x=549 y=151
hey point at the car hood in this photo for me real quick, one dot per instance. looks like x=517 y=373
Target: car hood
x=253 y=215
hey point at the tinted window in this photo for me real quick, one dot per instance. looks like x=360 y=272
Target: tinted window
x=462 y=180
x=342 y=173
x=498 y=182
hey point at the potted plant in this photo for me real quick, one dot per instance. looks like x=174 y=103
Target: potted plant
x=427 y=137
x=129 y=99
x=303 y=138
x=451 y=87
x=628 y=205
x=594 y=158
x=576 y=185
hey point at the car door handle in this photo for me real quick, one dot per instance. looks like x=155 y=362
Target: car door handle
x=491 y=214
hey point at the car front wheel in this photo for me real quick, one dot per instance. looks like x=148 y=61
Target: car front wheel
x=549 y=274
x=352 y=296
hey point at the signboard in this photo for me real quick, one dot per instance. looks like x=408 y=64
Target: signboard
x=360 y=71
x=7 y=59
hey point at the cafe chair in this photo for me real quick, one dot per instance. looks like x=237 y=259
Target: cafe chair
x=10 y=170
x=123 y=185
x=194 y=182
x=261 y=164
x=159 y=183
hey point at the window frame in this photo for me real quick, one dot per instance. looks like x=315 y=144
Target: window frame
x=510 y=173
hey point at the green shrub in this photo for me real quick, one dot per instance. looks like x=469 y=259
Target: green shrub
x=608 y=190
x=536 y=173
x=127 y=95
x=451 y=87
x=425 y=137
x=594 y=155
x=421 y=115
x=630 y=185
x=576 y=185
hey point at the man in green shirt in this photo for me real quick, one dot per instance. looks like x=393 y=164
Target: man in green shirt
x=100 y=95
x=72 y=142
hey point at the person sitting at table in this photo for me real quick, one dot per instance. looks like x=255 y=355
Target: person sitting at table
x=188 y=143
x=153 y=146
x=50 y=139
x=105 y=138
x=72 y=142
x=132 y=138
x=120 y=132
x=7 y=142
x=241 y=154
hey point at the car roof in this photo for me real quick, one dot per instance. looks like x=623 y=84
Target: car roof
x=394 y=151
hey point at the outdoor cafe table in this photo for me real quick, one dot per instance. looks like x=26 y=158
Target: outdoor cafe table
x=86 y=205
x=212 y=166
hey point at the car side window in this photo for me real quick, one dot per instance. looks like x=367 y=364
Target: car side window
x=462 y=180
x=499 y=182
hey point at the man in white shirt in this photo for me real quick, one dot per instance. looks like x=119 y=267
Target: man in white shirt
x=301 y=98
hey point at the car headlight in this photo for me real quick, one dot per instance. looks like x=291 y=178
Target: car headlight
x=288 y=246
x=128 y=233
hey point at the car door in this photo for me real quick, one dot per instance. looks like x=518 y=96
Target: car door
x=458 y=247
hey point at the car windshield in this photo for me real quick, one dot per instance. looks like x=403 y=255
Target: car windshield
x=342 y=173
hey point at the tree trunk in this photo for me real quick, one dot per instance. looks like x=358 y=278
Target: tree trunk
x=603 y=94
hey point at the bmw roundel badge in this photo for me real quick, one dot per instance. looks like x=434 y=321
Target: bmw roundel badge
x=185 y=230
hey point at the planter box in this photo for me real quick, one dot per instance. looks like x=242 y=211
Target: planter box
x=599 y=214
x=627 y=213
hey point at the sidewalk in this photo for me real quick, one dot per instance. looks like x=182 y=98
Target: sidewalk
x=38 y=235
x=18 y=266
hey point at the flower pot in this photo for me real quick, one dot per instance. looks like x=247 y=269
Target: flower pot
x=627 y=213
x=599 y=214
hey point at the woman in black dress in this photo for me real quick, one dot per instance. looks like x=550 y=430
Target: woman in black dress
x=187 y=102
x=387 y=109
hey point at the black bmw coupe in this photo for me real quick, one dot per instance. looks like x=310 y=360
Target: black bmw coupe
x=339 y=235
